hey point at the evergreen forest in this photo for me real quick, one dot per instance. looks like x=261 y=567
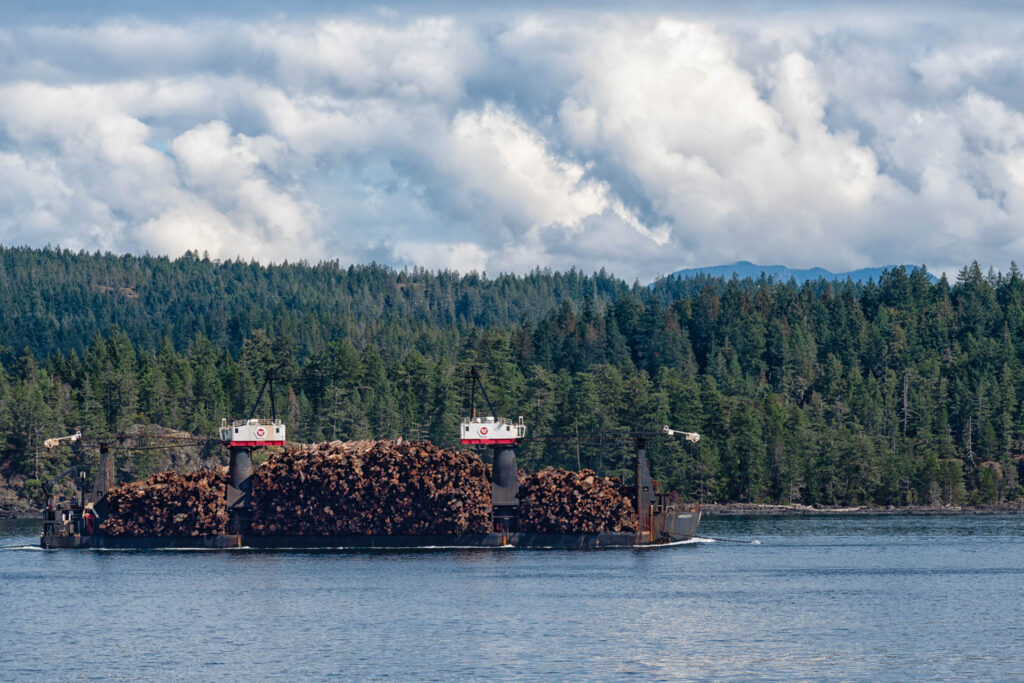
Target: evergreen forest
x=904 y=391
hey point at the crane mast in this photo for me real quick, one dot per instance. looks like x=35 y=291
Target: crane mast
x=502 y=436
x=242 y=437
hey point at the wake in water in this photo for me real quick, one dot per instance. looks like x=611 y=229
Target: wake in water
x=670 y=544
x=709 y=539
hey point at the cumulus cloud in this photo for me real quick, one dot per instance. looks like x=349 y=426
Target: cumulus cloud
x=711 y=152
x=640 y=143
x=428 y=58
x=227 y=201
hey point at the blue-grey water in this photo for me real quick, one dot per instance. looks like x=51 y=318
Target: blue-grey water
x=850 y=598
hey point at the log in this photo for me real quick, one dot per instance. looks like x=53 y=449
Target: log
x=168 y=504
x=371 y=488
x=368 y=488
x=556 y=501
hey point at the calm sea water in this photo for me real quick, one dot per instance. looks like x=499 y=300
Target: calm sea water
x=851 y=598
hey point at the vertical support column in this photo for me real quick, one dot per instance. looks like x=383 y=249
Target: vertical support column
x=644 y=487
x=239 y=489
x=104 y=474
x=82 y=474
x=504 y=489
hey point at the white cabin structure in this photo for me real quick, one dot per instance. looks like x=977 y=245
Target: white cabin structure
x=492 y=431
x=252 y=433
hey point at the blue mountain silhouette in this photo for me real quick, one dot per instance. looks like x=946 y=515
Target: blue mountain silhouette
x=745 y=269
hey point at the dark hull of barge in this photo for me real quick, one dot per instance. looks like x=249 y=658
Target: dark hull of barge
x=453 y=542
x=567 y=541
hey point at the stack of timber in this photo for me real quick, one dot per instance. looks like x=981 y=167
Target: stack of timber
x=371 y=488
x=556 y=501
x=168 y=504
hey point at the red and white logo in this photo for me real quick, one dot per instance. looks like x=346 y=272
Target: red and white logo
x=483 y=431
x=260 y=432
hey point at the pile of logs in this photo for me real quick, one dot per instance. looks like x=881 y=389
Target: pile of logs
x=368 y=488
x=555 y=501
x=371 y=487
x=168 y=504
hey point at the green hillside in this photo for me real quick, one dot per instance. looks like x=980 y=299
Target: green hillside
x=897 y=392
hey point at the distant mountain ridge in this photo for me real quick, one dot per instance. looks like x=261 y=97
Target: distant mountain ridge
x=746 y=269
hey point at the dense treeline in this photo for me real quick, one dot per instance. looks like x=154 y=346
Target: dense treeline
x=900 y=392
x=56 y=300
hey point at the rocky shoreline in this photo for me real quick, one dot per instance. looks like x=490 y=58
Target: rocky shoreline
x=20 y=510
x=734 y=509
x=13 y=506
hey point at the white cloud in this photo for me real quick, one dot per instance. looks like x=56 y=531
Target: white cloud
x=427 y=58
x=501 y=170
x=463 y=257
x=35 y=195
x=954 y=66
x=230 y=173
x=641 y=144
x=212 y=191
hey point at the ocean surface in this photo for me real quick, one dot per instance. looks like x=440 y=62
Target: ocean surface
x=842 y=598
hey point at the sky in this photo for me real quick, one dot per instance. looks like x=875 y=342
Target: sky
x=638 y=137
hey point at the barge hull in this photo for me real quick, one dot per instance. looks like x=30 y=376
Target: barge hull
x=683 y=527
x=455 y=541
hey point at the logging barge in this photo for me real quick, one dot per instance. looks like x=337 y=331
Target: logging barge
x=661 y=519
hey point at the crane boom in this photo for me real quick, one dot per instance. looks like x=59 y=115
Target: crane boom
x=55 y=441
x=692 y=437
